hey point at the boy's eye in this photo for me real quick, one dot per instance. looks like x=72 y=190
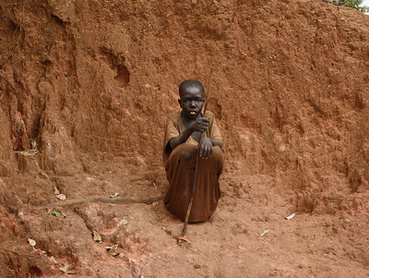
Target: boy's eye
x=195 y=100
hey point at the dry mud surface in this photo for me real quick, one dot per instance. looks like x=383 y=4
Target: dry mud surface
x=92 y=83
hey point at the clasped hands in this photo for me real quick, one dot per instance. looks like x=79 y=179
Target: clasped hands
x=206 y=146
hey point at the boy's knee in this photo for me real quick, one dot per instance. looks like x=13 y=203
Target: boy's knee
x=187 y=156
x=218 y=154
x=186 y=151
x=184 y=148
x=189 y=151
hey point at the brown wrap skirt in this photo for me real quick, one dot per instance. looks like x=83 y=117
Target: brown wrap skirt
x=180 y=173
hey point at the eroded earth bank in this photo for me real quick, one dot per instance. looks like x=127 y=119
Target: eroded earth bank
x=91 y=83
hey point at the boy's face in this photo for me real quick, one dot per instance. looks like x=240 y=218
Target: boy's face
x=191 y=102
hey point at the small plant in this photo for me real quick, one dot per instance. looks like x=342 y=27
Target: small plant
x=356 y=4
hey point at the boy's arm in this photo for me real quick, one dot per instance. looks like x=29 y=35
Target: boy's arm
x=200 y=125
x=216 y=143
x=181 y=138
x=207 y=145
x=214 y=138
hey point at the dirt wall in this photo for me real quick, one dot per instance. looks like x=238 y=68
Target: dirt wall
x=94 y=81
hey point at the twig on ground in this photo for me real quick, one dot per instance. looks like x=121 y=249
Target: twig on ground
x=102 y=200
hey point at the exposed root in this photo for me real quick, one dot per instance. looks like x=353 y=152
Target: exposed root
x=9 y=83
x=102 y=200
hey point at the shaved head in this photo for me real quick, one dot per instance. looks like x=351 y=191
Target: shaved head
x=190 y=83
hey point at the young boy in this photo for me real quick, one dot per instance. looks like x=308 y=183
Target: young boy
x=181 y=139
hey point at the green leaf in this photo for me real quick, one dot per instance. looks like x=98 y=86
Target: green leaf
x=56 y=213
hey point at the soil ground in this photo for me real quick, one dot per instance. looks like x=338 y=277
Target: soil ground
x=91 y=82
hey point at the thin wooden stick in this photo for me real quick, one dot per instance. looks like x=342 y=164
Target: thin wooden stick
x=189 y=209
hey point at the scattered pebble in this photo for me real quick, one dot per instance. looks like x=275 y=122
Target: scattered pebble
x=68 y=268
x=116 y=194
x=61 y=197
x=123 y=222
x=111 y=252
x=97 y=237
x=290 y=216
x=54 y=259
x=264 y=233
x=31 y=242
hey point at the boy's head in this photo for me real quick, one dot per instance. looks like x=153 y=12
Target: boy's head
x=191 y=93
x=190 y=83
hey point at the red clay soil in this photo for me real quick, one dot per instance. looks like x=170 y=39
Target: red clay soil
x=92 y=83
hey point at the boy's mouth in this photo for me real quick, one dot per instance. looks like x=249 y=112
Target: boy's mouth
x=192 y=112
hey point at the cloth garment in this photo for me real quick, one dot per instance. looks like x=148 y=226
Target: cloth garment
x=180 y=167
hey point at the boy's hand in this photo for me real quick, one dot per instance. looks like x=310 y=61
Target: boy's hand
x=206 y=148
x=200 y=125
